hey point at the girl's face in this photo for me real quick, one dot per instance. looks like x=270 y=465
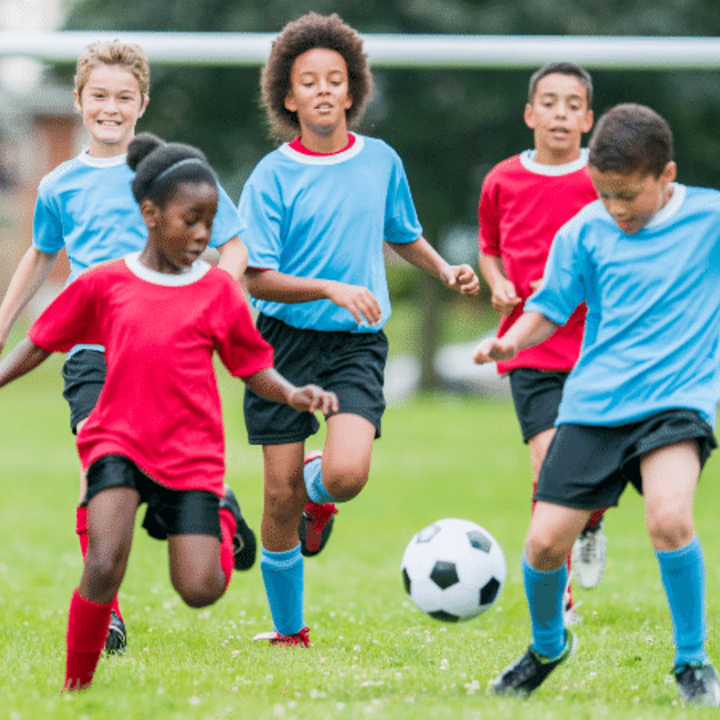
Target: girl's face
x=179 y=232
x=319 y=92
x=110 y=103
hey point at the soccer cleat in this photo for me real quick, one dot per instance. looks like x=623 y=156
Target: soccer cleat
x=116 y=640
x=244 y=542
x=301 y=638
x=588 y=556
x=317 y=520
x=529 y=672
x=698 y=684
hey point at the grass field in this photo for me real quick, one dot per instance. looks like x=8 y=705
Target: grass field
x=373 y=654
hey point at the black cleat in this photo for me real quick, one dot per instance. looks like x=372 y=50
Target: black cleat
x=116 y=640
x=529 y=672
x=244 y=542
x=698 y=684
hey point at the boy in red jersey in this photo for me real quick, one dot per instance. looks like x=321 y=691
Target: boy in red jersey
x=525 y=200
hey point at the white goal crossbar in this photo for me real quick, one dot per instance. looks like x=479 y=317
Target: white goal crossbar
x=418 y=51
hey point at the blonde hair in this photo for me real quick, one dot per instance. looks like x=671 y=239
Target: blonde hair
x=113 y=52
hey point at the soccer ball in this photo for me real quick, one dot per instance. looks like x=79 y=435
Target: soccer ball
x=453 y=570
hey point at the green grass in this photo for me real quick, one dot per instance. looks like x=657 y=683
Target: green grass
x=374 y=655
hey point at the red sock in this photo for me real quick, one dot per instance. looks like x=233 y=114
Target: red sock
x=87 y=630
x=228 y=526
x=81 y=530
x=595 y=518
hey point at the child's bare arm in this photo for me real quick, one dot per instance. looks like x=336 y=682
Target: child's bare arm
x=25 y=356
x=532 y=328
x=504 y=297
x=424 y=256
x=272 y=385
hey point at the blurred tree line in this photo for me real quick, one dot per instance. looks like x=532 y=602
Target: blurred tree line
x=449 y=126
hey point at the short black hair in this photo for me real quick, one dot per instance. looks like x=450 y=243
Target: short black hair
x=561 y=68
x=160 y=167
x=631 y=137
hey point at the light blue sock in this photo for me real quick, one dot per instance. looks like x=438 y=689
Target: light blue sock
x=312 y=474
x=544 y=591
x=283 y=575
x=683 y=575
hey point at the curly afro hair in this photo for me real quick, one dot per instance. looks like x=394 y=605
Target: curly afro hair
x=309 y=32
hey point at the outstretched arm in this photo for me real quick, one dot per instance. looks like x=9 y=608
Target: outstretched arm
x=272 y=385
x=424 y=256
x=280 y=287
x=532 y=328
x=34 y=267
x=25 y=356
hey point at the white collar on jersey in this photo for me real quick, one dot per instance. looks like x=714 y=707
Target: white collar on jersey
x=527 y=159
x=196 y=271
x=671 y=207
x=333 y=159
x=97 y=162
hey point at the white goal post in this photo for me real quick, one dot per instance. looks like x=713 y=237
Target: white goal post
x=386 y=50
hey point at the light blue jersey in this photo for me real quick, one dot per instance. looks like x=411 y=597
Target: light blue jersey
x=326 y=217
x=86 y=205
x=652 y=335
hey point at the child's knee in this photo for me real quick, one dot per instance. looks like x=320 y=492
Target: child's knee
x=668 y=528
x=202 y=594
x=103 y=574
x=344 y=483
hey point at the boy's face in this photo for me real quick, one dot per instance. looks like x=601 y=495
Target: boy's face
x=320 y=93
x=558 y=115
x=110 y=103
x=633 y=199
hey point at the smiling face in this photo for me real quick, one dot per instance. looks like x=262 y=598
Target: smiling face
x=110 y=103
x=558 y=115
x=180 y=232
x=633 y=199
x=320 y=96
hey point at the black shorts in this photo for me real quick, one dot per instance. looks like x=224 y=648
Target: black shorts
x=169 y=512
x=352 y=365
x=536 y=395
x=589 y=466
x=84 y=375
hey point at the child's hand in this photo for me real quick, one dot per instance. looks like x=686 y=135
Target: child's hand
x=492 y=350
x=310 y=398
x=358 y=300
x=462 y=278
x=504 y=298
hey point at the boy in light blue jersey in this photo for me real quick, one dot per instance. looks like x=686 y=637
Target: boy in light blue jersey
x=318 y=210
x=86 y=206
x=640 y=405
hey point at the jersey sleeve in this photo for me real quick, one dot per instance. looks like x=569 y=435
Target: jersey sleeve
x=47 y=224
x=563 y=285
x=401 y=220
x=227 y=223
x=72 y=318
x=240 y=346
x=261 y=211
x=489 y=218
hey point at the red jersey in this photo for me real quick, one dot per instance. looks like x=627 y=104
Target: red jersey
x=522 y=205
x=160 y=404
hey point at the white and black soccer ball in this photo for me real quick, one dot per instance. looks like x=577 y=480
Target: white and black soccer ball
x=453 y=570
